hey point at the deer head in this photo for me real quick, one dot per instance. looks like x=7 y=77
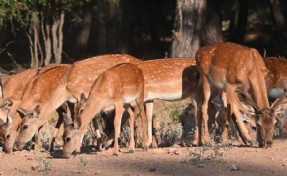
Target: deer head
x=28 y=124
x=265 y=118
x=5 y=135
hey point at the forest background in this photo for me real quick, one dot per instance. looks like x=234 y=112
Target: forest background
x=38 y=32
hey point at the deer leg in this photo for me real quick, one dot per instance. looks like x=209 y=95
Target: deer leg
x=225 y=131
x=232 y=98
x=204 y=109
x=119 y=109
x=196 y=115
x=60 y=112
x=149 y=112
x=132 y=125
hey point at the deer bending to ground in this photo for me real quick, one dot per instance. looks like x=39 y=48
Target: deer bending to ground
x=227 y=67
x=11 y=93
x=276 y=83
x=78 y=80
x=167 y=79
x=36 y=92
x=117 y=86
x=13 y=87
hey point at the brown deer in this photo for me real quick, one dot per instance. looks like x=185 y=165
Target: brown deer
x=36 y=92
x=228 y=67
x=169 y=79
x=78 y=80
x=13 y=87
x=117 y=86
x=166 y=79
x=276 y=83
x=275 y=80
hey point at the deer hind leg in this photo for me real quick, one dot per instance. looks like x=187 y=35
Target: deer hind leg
x=198 y=125
x=119 y=109
x=140 y=105
x=204 y=108
x=132 y=127
x=225 y=116
x=233 y=100
x=149 y=112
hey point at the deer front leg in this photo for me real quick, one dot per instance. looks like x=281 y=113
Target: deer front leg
x=234 y=103
x=149 y=112
x=119 y=109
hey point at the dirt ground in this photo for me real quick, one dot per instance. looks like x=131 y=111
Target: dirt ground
x=175 y=160
x=161 y=161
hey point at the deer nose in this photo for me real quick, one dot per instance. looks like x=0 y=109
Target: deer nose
x=269 y=143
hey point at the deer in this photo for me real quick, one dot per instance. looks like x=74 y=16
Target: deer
x=36 y=92
x=169 y=79
x=77 y=81
x=11 y=91
x=13 y=86
x=276 y=83
x=236 y=69
x=165 y=79
x=121 y=86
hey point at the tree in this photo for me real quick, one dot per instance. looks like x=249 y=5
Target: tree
x=187 y=26
x=43 y=22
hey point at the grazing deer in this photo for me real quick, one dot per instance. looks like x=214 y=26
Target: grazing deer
x=228 y=67
x=36 y=92
x=116 y=87
x=78 y=80
x=169 y=79
x=276 y=83
x=166 y=79
x=13 y=87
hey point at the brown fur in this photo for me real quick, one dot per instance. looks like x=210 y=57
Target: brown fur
x=117 y=86
x=78 y=80
x=227 y=67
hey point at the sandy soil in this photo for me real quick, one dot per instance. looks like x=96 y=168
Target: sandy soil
x=161 y=161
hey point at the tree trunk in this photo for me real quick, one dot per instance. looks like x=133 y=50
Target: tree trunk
x=212 y=32
x=46 y=31
x=84 y=31
x=187 y=26
x=278 y=17
x=57 y=36
x=34 y=43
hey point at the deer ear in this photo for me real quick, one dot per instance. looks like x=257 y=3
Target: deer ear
x=83 y=97
x=10 y=117
x=67 y=120
x=36 y=111
x=22 y=112
x=77 y=123
x=1 y=122
x=6 y=104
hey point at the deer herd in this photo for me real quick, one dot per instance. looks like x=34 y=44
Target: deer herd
x=242 y=80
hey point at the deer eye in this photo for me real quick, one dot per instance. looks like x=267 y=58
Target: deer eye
x=25 y=127
x=68 y=139
x=7 y=136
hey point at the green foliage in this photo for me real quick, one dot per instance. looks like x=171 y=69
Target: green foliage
x=206 y=154
x=177 y=111
x=47 y=166
x=25 y=11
